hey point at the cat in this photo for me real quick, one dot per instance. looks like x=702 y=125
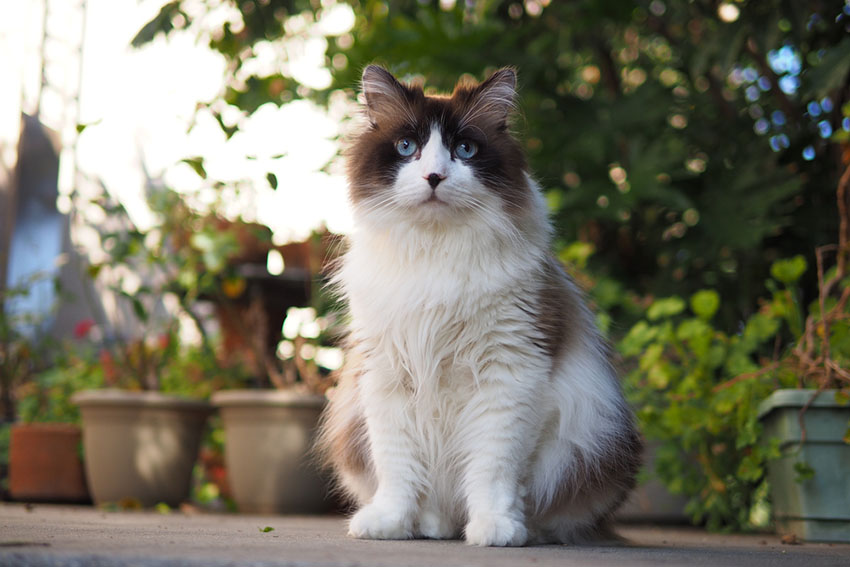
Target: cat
x=477 y=398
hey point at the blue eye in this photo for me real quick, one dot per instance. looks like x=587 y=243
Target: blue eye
x=406 y=147
x=465 y=149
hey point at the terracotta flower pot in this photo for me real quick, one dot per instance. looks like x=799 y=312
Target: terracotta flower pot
x=140 y=446
x=268 y=438
x=45 y=465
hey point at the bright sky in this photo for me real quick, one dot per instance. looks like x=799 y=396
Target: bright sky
x=140 y=105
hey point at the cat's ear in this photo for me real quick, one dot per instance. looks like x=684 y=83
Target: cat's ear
x=384 y=95
x=495 y=98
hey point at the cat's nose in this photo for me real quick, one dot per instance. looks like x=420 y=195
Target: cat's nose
x=434 y=179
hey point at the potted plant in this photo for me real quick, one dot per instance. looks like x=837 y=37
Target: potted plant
x=141 y=435
x=142 y=431
x=715 y=401
x=269 y=434
x=809 y=483
x=41 y=438
x=268 y=430
x=203 y=259
x=45 y=457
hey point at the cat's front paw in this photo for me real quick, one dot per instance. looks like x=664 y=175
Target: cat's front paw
x=375 y=521
x=495 y=530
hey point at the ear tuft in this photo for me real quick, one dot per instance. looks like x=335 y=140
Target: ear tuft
x=377 y=81
x=494 y=99
x=383 y=93
x=503 y=80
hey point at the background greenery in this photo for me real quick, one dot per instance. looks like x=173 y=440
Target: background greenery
x=659 y=130
x=686 y=147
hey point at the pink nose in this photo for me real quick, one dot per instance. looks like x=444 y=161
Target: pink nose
x=434 y=179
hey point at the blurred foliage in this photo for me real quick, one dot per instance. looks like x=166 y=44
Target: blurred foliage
x=688 y=394
x=189 y=254
x=47 y=396
x=180 y=369
x=209 y=266
x=691 y=139
x=186 y=257
x=24 y=343
x=697 y=388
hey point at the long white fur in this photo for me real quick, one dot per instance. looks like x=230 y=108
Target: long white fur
x=470 y=426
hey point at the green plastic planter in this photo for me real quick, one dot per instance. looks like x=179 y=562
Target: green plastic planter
x=817 y=509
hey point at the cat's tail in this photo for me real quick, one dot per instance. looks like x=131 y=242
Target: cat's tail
x=341 y=443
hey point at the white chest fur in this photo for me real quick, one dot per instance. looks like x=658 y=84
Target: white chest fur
x=420 y=306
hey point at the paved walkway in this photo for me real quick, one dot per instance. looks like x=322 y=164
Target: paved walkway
x=84 y=536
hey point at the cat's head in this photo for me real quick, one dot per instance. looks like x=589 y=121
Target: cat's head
x=437 y=159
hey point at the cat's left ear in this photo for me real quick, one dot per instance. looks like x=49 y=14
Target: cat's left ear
x=385 y=97
x=495 y=98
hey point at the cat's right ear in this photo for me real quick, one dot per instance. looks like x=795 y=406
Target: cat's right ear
x=385 y=97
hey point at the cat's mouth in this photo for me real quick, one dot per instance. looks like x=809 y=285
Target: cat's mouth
x=433 y=198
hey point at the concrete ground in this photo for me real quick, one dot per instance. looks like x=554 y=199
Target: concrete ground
x=43 y=535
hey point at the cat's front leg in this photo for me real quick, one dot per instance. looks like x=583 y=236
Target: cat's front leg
x=393 y=508
x=502 y=428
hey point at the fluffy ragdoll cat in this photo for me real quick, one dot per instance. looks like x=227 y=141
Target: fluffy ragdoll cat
x=478 y=398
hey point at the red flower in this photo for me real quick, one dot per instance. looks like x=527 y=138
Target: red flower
x=81 y=329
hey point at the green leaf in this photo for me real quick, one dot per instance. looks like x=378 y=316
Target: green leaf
x=202 y=241
x=758 y=329
x=81 y=127
x=94 y=269
x=162 y=22
x=660 y=375
x=637 y=338
x=266 y=529
x=214 y=261
x=197 y=165
x=139 y=309
x=788 y=271
x=577 y=254
x=698 y=334
x=607 y=293
x=705 y=303
x=272 y=179
x=666 y=307
x=804 y=471
x=750 y=468
x=651 y=356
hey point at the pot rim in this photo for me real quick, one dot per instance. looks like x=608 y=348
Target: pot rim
x=267 y=398
x=797 y=398
x=112 y=397
x=47 y=426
